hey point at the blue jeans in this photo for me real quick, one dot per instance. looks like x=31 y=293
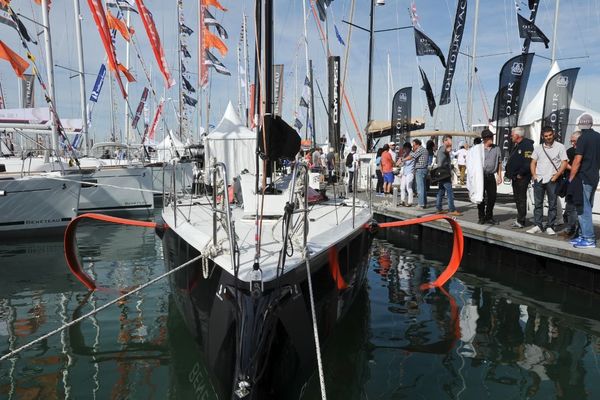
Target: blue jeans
x=585 y=219
x=445 y=186
x=420 y=175
x=539 y=190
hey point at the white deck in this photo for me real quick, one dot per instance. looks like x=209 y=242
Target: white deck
x=329 y=225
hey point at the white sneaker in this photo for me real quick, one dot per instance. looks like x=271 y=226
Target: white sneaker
x=535 y=229
x=550 y=231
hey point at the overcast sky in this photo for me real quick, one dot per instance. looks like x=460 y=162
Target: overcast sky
x=578 y=44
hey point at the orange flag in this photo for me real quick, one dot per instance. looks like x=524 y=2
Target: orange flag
x=4 y=3
x=214 y=3
x=116 y=23
x=18 y=63
x=126 y=72
x=212 y=40
x=38 y=2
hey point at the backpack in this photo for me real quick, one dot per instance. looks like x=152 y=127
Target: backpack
x=349 y=160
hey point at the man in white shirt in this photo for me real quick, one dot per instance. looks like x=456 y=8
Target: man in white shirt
x=548 y=162
x=461 y=160
x=392 y=151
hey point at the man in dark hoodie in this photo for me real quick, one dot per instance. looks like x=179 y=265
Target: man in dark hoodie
x=518 y=170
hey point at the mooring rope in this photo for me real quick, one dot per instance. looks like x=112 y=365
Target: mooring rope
x=97 y=310
x=314 y=322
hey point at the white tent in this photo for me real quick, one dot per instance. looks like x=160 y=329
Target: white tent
x=168 y=148
x=531 y=115
x=232 y=143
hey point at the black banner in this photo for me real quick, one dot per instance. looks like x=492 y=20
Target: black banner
x=401 y=114
x=457 y=35
x=528 y=30
x=511 y=91
x=140 y=108
x=533 y=6
x=557 y=102
x=334 y=102
x=427 y=47
x=27 y=91
x=428 y=92
x=277 y=88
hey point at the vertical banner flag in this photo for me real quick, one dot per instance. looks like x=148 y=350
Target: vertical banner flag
x=159 y=110
x=428 y=92
x=457 y=35
x=277 y=88
x=334 y=102
x=528 y=30
x=511 y=91
x=27 y=91
x=557 y=102
x=98 y=84
x=401 y=114
x=154 y=38
x=427 y=47
x=140 y=108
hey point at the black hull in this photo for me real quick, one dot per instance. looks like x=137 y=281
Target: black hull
x=267 y=340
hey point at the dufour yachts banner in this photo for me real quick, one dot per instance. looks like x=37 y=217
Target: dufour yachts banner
x=557 y=102
x=334 y=101
x=511 y=90
x=457 y=35
x=401 y=114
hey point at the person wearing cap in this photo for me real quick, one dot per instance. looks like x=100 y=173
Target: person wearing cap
x=492 y=177
x=586 y=166
x=519 y=171
x=548 y=162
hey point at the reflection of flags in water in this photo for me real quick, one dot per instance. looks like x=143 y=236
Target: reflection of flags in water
x=528 y=30
x=338 y=36
x=212 y=61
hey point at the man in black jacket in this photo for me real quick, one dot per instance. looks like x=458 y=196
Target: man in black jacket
x=518 y=170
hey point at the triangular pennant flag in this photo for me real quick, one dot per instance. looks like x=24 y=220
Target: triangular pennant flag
x=21 y=28
x=123 y=5
x=126 y=72
x=18 y=63
x=185 y=51
x=528 y=30
x=425 y=46
x=212 y=61
x=322 y=8
x=306 y=81
x=211 y=40
x=183 y=28
x=4 y=3
x=209 y=20
x=5 y=17
x=188 y=86
x=190 y=101
x=298 y=124
x=428 y=92
x=303 y=102
x=338 y=36
x=115 y=23
x=213 y=3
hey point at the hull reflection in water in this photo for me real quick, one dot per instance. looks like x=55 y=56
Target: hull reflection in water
x=479 y=338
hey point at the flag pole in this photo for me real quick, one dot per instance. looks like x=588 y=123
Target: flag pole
x=554 y=34
x=473 y=69
x=50 y=72
x=127 y=62
x=82 y=93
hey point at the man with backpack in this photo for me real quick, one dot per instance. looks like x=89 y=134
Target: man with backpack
x=351 y=160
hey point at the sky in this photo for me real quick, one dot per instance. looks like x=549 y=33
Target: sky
x=577 y=45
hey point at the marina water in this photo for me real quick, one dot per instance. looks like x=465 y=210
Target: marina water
x=483 y=338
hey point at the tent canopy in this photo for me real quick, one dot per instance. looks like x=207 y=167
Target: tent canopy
x=231 y=143
x=384 y=128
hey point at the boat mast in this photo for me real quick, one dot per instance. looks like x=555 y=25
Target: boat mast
x=370 y=83
x=473 y=69
x=312 y=102
x=50 y=72
x=179 y=63
x=554 y=34
x=82 y=94
x=128 y=132
x=246 y=69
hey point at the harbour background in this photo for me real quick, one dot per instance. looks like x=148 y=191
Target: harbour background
x=494 y=335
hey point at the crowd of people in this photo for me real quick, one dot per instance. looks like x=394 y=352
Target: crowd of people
x=539 y=171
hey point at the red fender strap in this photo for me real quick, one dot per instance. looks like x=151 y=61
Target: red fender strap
x=457 y=247
x=70 y=243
